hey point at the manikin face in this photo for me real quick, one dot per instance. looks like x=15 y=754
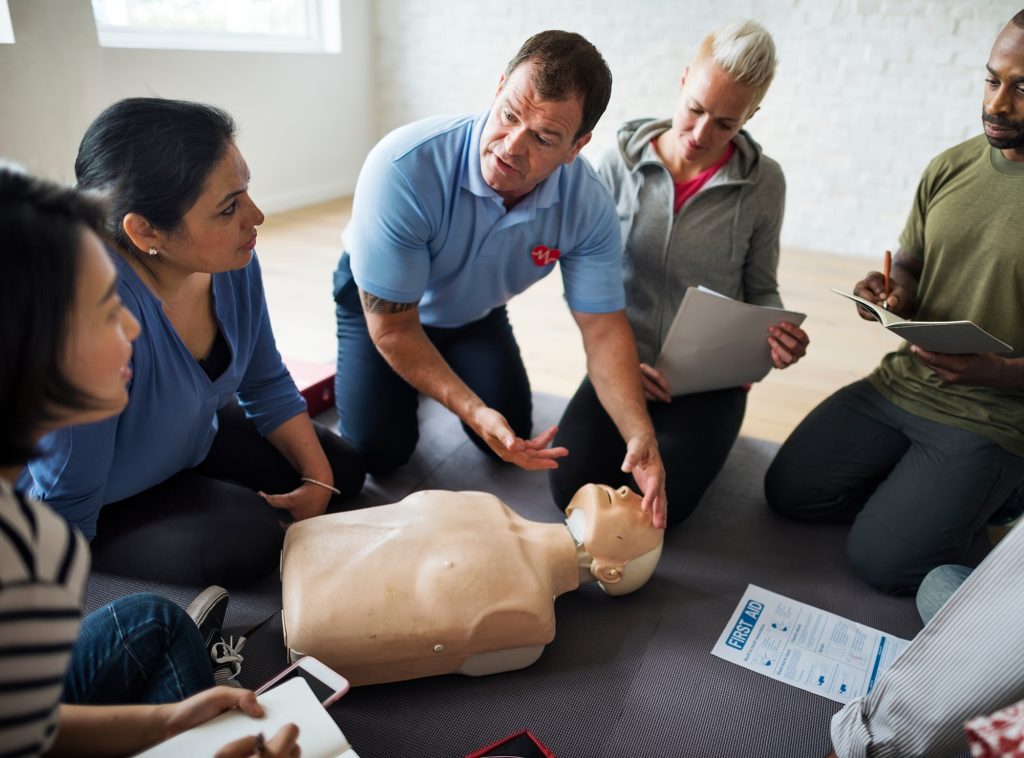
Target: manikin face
x=617 y=534
x=100 y=335
x=1003 y=106
x=218 y=233
x=712 y=108
x=526 y=138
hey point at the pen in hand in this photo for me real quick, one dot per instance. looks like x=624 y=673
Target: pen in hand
x=886 y=270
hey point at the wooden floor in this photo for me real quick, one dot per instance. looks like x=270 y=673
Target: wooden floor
x=299 y=250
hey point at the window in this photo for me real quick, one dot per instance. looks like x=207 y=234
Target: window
x=275 y=26
x=6 y=30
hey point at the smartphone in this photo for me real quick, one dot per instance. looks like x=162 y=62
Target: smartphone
x=328 y=685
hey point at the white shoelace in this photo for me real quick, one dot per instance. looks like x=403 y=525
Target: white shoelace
x=227 y=657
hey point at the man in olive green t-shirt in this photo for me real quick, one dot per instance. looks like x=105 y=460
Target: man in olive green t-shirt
x=921 y=453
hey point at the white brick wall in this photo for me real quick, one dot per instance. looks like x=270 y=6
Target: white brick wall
x=866 y=93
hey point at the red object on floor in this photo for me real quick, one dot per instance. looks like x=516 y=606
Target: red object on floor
x=315 y=382
x=523 y=743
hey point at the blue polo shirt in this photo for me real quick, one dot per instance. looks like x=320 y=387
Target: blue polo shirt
x=427 y=228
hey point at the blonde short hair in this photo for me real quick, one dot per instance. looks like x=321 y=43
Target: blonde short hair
x=745 y=51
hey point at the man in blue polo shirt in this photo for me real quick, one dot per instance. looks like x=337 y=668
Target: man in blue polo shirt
x=451 y=218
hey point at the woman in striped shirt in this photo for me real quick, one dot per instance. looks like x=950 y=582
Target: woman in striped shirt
x=65 y=338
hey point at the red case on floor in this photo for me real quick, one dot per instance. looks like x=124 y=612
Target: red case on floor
x=315 y=382
x=524 y=744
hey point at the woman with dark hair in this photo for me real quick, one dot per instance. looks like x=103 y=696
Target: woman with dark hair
x=190 y=482
x=66 y=339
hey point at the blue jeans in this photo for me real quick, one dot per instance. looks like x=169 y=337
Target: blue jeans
x=938 y=587
x=139 y=649
x=377 y=409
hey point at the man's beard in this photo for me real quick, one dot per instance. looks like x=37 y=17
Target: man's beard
x=1009 y=142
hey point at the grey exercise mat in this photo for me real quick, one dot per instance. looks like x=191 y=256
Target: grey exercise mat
x=630 y=676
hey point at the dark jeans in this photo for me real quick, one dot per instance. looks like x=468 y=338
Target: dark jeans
x=918 y=493
x=695 y=434
x=377 y=408
x=139 y=649
x=209 y=525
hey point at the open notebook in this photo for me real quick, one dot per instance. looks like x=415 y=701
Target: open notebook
x=716 y=342
x=290 y=703
x=952 y=337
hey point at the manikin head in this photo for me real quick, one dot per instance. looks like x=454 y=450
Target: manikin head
x=621 y=545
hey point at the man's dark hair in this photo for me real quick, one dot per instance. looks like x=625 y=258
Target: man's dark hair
x=1019 y=19
x=41 y=234
x=152 y=157
x=567 y=65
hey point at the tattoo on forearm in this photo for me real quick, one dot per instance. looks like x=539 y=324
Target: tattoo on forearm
x=374 y=304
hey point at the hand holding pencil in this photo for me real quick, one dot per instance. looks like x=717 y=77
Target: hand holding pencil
x=892 y=293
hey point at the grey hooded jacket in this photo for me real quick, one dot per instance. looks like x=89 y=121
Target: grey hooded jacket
x=725 y=237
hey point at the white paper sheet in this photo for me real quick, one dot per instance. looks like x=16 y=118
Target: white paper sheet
x=806 y=647
x=716 y=342
x=290 y=703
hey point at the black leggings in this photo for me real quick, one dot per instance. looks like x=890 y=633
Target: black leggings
x=695 y=434
x=208 y=525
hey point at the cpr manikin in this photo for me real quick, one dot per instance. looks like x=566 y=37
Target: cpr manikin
x=452 y=582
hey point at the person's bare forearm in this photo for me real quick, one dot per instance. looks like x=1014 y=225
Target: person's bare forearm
x=96 y=730
x=398 y=335
x=296 y=440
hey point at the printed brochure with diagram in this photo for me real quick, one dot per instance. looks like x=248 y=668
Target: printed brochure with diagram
x=806 y=647
x=952 y=337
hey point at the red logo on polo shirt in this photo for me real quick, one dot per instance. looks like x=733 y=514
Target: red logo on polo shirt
x=544 y=256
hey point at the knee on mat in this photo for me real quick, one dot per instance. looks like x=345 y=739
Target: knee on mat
x=349 y=470
x=888 y=568
x=562 y=487
x=782 y=488
x=386 y=461
x=236 y=558
x=382 y=454
x=380 y=450
x=681 y=507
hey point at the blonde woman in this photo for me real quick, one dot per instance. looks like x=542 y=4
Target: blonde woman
x=699 y=203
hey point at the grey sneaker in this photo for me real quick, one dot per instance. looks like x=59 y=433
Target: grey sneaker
x=208 y=610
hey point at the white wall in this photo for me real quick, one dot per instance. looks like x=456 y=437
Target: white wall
x=866 y=93
x=867 y=90
x=306 y=121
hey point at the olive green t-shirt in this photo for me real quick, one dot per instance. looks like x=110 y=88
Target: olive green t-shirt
x=966 y=227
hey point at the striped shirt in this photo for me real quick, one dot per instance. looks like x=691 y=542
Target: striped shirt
x=966 y=662
x=43 y=568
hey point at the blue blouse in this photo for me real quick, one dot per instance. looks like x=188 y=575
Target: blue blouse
x=171 y=417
